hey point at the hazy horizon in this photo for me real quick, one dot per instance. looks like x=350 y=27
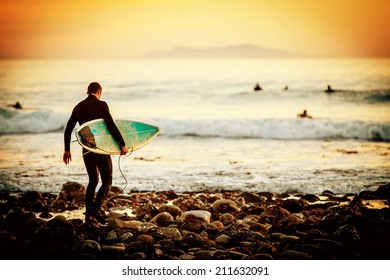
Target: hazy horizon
x=131 y=29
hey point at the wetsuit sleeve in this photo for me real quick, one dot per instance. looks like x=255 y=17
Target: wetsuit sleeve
x=112 y=126
x=68 y=130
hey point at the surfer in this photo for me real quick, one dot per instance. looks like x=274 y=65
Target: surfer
x=304 y=115
x=329 y=90
x=89 y=109
x=257 y=87
x=17 y=105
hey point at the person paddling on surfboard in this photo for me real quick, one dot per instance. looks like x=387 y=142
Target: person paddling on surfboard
x=89 y=109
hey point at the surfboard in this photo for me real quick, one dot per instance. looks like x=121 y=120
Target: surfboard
x=95 y=136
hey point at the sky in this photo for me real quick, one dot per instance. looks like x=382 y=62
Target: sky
x=132 y=28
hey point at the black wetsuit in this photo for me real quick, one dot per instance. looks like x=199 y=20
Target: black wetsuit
x=89 y=109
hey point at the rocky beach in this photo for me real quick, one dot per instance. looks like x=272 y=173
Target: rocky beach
x=197 y=226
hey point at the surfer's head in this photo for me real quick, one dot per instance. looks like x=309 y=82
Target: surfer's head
x=94 y=88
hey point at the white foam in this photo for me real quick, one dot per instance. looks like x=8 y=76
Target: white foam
x=21 y=121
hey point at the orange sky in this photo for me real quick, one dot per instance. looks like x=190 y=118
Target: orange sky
x=131 y=28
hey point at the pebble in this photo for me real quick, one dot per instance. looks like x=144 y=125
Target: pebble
x=226 y=225
x=197 y=215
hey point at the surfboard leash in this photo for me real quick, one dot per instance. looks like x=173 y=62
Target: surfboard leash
x=119 y=167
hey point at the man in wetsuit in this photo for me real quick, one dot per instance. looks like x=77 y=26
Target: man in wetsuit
x=89 y=109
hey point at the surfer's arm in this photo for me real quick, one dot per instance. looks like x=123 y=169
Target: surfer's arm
x=68 y=131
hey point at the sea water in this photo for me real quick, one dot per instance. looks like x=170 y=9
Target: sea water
x=216 y=132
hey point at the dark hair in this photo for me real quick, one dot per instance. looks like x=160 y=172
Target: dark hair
x=94 y=87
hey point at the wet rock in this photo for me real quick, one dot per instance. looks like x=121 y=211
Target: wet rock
x=145 y=238
x=170 y=233
x=117 y=224
x=383 y=191
x=294 y=205
x=289 y=238
x=227 y=218
x=146 y=212
x=328 y=193
x=70 y=191
x=195 y=215
x=234 y=255
x=215 y=226
x=310 y=198
x=90 y=248
x=252 y=197
x=187 y=203
x=162 y=219
x=118 y=236
x=112 y=251
x=223 y=238
x=256 y=235
x=45 y=215
x=174 y=210
x=59 y=221
x=347 y=233
x=33 y=201
x=255 y=226
x=225 y=206
x=267 y=248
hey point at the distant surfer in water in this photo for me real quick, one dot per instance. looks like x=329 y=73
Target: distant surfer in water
x=329 y=90
x=17 y=105
x=257 y=87
x=89 y=109
x=304 y=115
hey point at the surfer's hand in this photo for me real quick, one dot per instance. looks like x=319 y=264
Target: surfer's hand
x=67 y=157
x=124 y=150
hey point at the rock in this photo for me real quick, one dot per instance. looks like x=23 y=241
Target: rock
x=294 y=205
x=162 y=219
x=112 y=251
x=383 y=191
x=17 y=219
x=225 y=206
x=90 y=247
x=33 y=200
x=146 y=212
x=174 y=210
x=216 y=226
x=118 y=236
x=222 y=239
x=170 y=233
x=145 y=238
x=310 y=197
x=195 y=215
x=255 y=226
x=117 y=224
x=288 y=238
x=252 y=197
x=70 y=191
x=227 y=218
x=347 y=233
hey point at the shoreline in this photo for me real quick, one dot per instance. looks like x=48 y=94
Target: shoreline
x=198 y=225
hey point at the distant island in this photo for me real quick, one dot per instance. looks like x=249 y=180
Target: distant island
x=239 y=51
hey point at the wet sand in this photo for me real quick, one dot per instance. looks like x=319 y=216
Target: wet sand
x=200 y=225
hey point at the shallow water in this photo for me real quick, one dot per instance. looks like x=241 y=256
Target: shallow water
x=216 y=133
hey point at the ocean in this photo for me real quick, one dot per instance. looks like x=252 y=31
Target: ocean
x=216 y=132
